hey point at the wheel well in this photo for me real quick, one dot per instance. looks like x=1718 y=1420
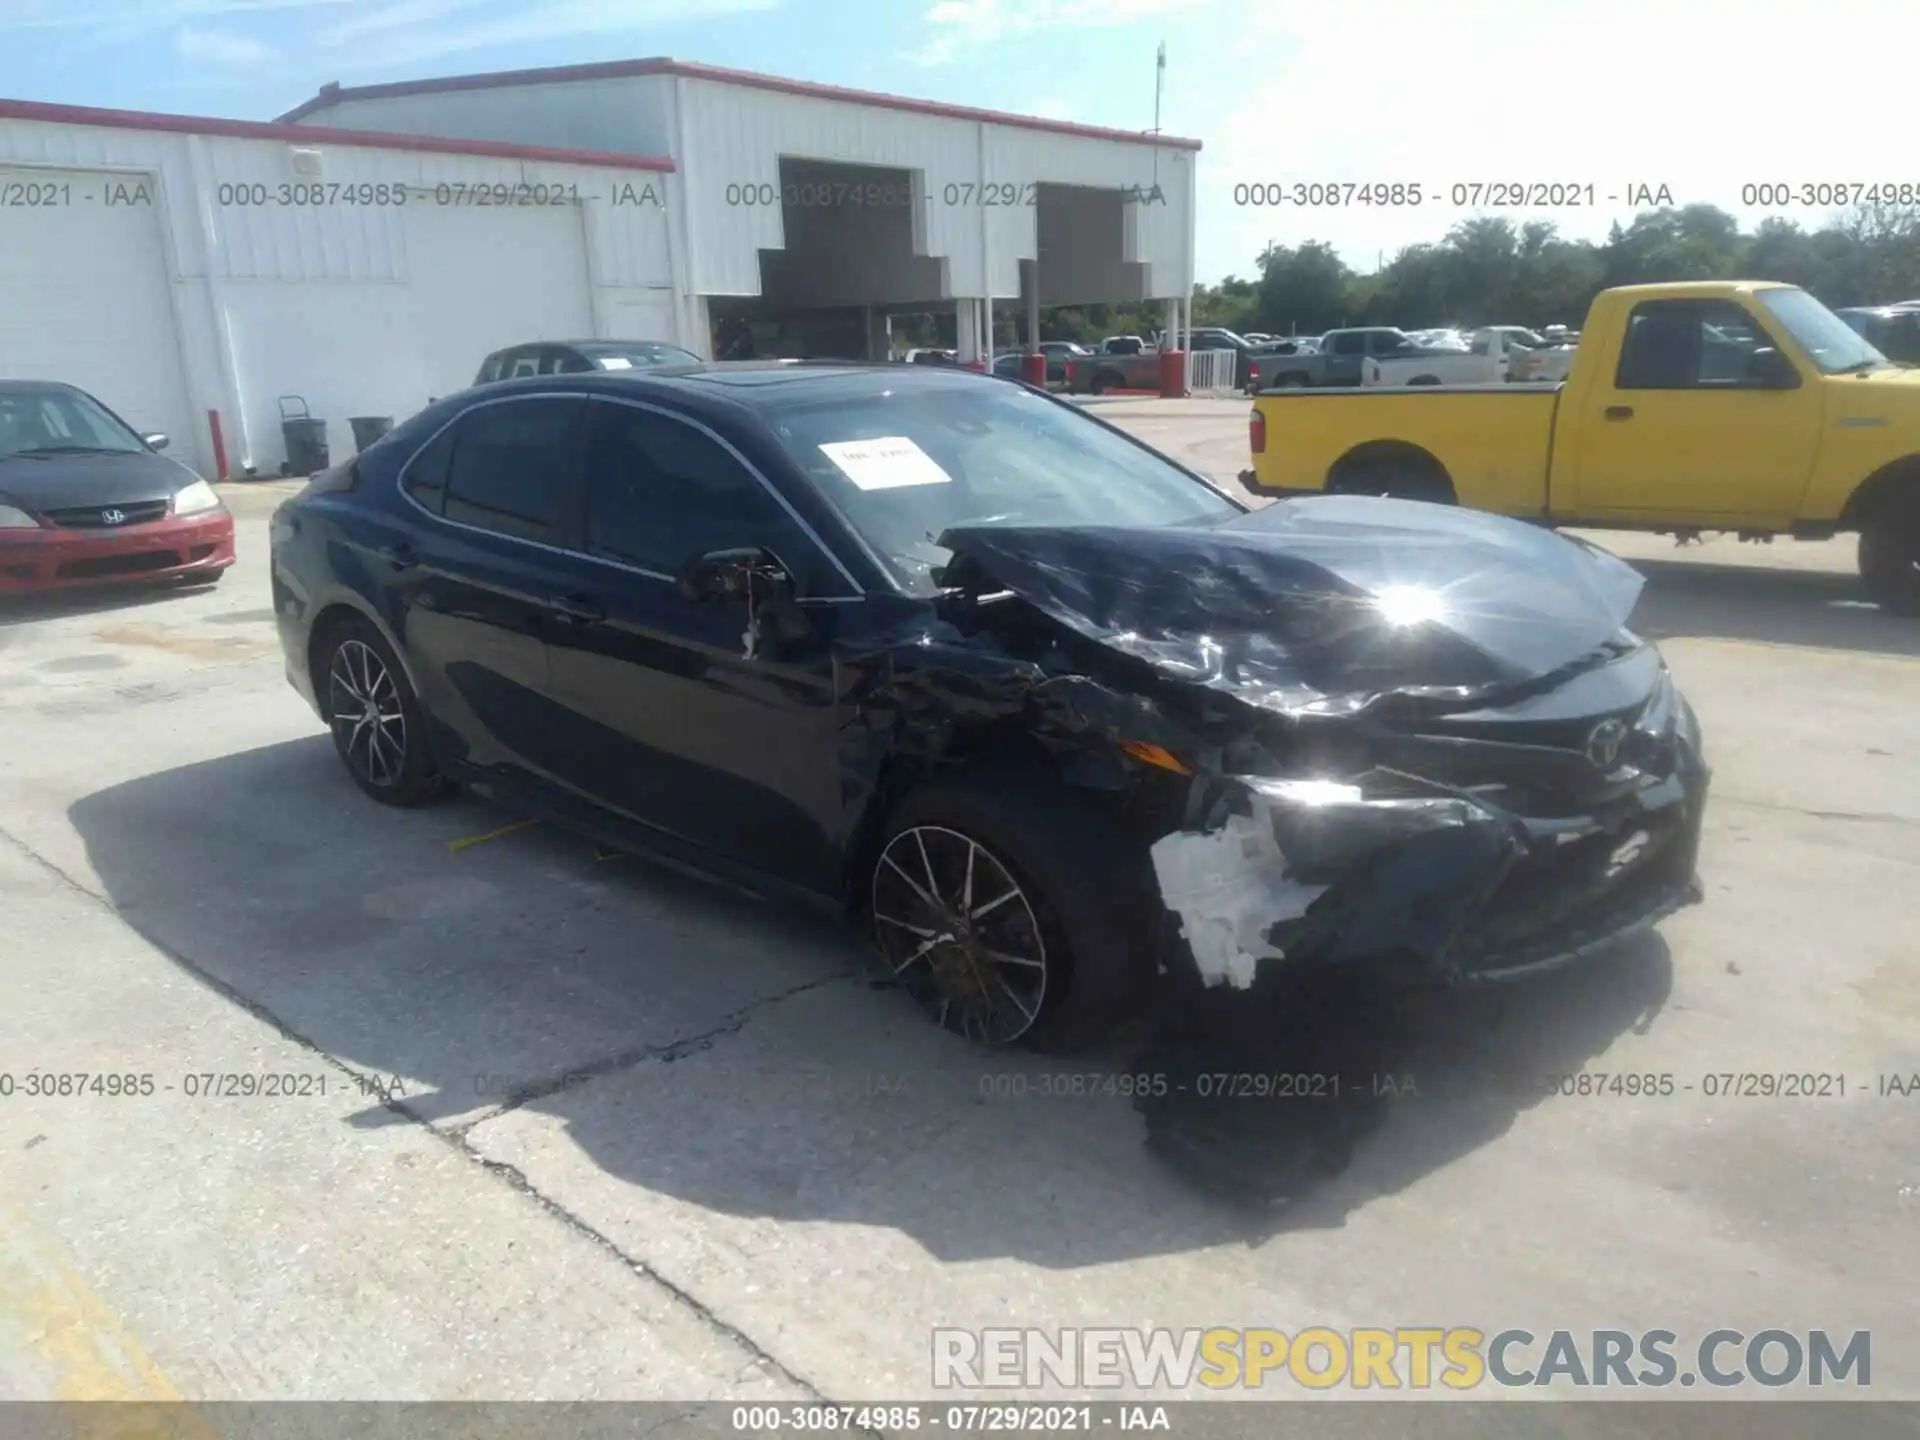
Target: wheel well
x=1902 y=477
x=1000 y=747
x=318 y=634
x=1418 y=471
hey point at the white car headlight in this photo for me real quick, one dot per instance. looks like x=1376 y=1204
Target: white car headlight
x=13 y=518
x=195 y=498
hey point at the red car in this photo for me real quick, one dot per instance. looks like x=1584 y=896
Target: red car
x=86 y=500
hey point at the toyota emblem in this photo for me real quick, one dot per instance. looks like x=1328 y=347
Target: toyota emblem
x=1604 y=742
x=113 y=517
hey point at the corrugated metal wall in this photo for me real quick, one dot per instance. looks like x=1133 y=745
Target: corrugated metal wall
x=727 y=141
x=337 y=286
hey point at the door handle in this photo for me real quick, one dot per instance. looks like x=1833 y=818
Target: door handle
x=401 y=556
x=1619 y=412
x=579 y=609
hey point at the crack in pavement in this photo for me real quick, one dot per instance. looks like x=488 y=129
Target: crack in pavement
x=510 y=1175
x=1866 y=817
x=577 y=1075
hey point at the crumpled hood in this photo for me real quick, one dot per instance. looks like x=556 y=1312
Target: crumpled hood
x=1324 y=603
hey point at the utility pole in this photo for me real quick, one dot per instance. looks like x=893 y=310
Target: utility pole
x=1159 y=81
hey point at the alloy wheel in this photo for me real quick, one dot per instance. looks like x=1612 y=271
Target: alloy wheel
x=960 y=934
x=368 y=721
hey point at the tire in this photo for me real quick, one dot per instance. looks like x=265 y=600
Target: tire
x=1389 y=478
x=1294 y=381
x=1075 y=907
x=1890 y=555
x=1101 y=384
x=384 y=746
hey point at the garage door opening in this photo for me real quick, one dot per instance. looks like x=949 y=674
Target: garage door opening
x=1085 y=233
x=851 y=256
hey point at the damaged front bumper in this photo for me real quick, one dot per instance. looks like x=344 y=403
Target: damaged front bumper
x=1392 y=869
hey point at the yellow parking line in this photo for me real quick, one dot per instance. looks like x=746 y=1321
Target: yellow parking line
x=47 y=1308
x=457 y=846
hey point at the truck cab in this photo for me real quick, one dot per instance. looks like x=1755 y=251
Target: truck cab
x=1741 y=406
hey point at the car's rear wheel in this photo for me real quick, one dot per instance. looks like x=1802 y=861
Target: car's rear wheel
x=1010 y=911
x=1101 y=384
x=1890 y=555
x=376 y=720
x=1295 y=381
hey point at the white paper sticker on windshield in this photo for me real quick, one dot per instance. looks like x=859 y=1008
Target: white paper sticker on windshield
x=885 y=463
x=615 y=362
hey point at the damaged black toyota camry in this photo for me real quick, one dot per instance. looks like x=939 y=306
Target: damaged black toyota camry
x=1061 y=724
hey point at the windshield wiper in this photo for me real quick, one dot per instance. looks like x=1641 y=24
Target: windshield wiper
x=1860 y=367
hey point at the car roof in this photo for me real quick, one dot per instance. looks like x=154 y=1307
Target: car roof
x=39 y=387
x=756 y=382
x=588 y=345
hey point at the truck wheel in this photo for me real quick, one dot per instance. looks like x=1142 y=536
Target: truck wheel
x=1890 y=555
x=1396 y=479
x=1295 y=381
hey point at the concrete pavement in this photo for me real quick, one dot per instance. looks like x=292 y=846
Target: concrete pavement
x=557 y=1125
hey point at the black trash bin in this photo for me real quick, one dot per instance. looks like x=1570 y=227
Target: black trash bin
x=368 y=428
x=306 y=438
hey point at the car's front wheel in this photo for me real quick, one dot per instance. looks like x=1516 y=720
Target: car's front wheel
x=376 y=720
x=1005 y=905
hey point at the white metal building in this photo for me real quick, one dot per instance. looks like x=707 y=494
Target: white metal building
x=815 y=200
x=185 y=269
x=357 y=254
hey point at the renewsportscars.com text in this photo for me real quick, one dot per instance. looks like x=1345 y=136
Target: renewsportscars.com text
x=1411 y=1358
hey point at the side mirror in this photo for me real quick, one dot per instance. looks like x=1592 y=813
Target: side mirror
x=753 y=573
x=1771 y=370
x=154 y=442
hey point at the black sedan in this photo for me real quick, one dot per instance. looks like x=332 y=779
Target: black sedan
x=1054 y=718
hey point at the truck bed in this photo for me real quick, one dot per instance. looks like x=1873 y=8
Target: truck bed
x=1494 y=442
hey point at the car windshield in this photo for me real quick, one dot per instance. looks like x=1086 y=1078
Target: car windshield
x=906 y=465
x=49 y=422
x=1832 y=344
x=630 y=357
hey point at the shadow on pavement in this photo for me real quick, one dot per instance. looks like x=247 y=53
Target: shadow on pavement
x=1773 y=604
x=59 y=604
x=734 y=1055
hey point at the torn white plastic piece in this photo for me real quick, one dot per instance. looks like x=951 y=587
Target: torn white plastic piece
x=1228 y=887
x=885 y=463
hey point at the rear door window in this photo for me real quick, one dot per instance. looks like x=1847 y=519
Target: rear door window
x=512 y=466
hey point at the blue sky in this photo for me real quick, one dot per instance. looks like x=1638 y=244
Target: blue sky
x=1612 y=93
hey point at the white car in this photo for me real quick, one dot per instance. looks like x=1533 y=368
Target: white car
x=1483 y=362
x=1546 y=364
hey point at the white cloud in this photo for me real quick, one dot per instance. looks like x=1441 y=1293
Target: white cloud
x=222 y=48
x=383 y=19
x=1611 y=93
x=961 y=26
x=423 y=34
x=123 y=19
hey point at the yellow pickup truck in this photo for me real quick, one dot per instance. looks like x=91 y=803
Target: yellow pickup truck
x=1740 y=406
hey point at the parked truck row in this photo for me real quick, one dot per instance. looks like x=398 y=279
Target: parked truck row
x=1733 y=406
